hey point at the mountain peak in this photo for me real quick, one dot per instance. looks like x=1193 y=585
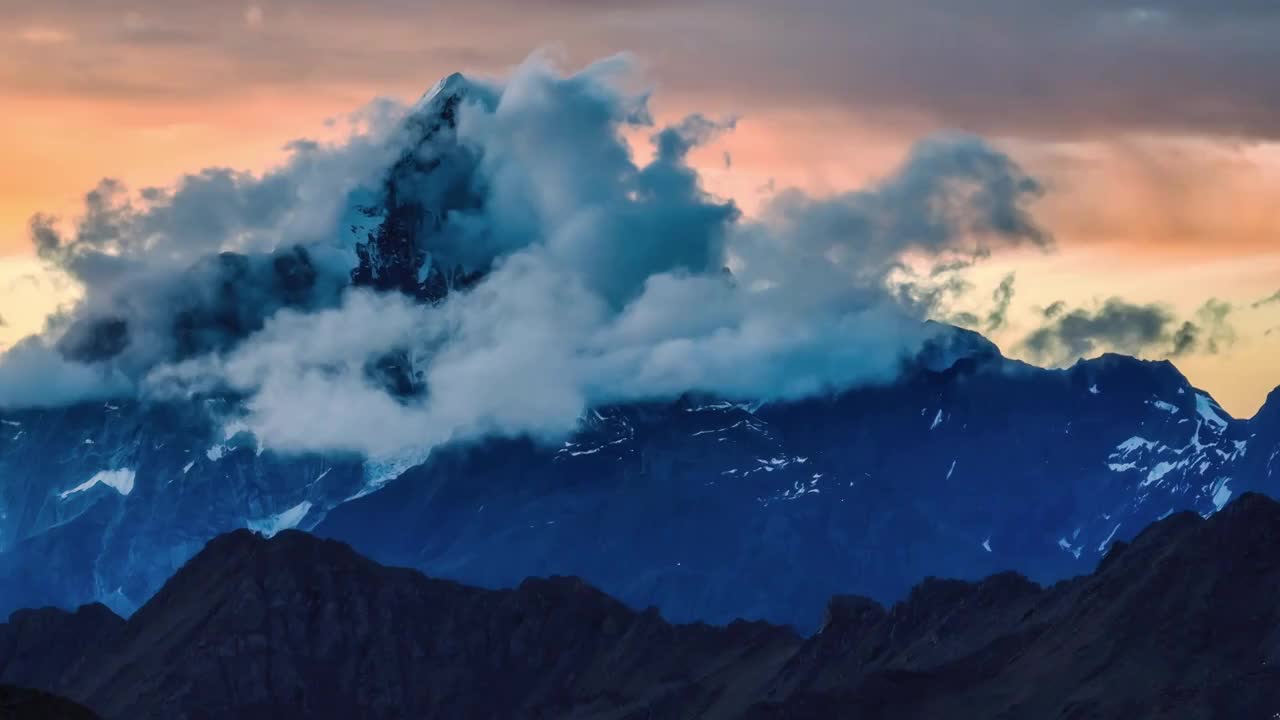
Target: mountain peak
x=1270 y=410
x=949 y=344
x=431 y=179
x=454 y=84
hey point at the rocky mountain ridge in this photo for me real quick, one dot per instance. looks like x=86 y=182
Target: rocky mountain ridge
x=1180 y=623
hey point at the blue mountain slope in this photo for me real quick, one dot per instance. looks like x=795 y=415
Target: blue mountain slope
x=712 y=510
x=706 y=508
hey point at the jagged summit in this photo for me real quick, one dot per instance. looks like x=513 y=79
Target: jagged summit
x=399 y=247
x=454 y=85
x=948 y=344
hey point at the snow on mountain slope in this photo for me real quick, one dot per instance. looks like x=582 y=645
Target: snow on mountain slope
x=713 y=510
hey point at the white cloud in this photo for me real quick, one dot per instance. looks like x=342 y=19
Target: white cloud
x=604 y=282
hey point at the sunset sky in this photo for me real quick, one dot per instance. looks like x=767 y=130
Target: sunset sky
x=1154 y=127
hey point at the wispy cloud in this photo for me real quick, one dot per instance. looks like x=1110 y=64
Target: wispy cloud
x=44 y=36
x=1121 y=326
x=1269 y=300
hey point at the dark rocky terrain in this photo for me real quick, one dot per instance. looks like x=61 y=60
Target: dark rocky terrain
x=1180 y=623
x=23 y=704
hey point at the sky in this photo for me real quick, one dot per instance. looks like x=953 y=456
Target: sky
x=1153 y=129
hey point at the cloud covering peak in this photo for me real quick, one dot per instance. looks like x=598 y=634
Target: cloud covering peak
x=508 y=258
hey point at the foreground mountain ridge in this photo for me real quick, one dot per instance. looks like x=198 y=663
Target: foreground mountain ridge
x=1180 y=623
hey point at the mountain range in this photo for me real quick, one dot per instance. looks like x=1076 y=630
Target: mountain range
x=707 y=509
x=969 y=463
x=1180 y=623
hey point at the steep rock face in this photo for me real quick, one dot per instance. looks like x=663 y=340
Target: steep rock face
x=430 y=179
x=104 y=501
x=714 y=510
x=1181 y=623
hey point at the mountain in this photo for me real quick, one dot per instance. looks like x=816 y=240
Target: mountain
x=1180 y=623
x=295 y=626
x=24 y=704
x=710 y=509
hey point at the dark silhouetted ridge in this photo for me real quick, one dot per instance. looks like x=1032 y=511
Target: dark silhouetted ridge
x=23 y=704
x=1180 y=623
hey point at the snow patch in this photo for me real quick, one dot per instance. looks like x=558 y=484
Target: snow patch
x=377 y=473
x=1221 y=494
x=281 y=521
x=119 y=480
x=986 y=544
x=1065 y=545
x=745 y=407
x=951 y=469
x=1093 y=389
x=1103 y=546
x=1207 y=409
x=1135 y=443
x=1167 y=407
x=187 y=468
x=937 y=420
x=1159 y=471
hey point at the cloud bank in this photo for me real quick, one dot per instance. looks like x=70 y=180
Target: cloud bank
x=596 y=273
x=868 y=56
x=1131 y=328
